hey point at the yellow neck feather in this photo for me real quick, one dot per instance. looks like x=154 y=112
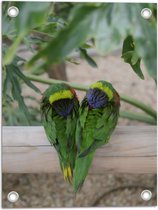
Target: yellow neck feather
x=104 y=88
x=63 y=94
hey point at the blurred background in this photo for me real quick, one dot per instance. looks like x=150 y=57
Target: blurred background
x=48 y=42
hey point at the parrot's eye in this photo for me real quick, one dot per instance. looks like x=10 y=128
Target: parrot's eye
x=63 y=107
x=97 y=98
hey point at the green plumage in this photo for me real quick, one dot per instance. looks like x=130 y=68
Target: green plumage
x=76 y=132
x=94 y=128
x=59 y=120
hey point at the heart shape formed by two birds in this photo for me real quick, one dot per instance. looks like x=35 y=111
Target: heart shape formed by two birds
x=76 y=129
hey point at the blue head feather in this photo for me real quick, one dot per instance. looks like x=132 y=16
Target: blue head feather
x=63 y=107
x=97 y=98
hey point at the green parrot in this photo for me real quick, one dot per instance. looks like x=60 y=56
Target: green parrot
x=59 y=110
x=98 y=116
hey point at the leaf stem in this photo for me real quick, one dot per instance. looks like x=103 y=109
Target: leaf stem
x=140 y=105
x=41 y=33
x=52 y=81
x=124 y=98
x=138 y=117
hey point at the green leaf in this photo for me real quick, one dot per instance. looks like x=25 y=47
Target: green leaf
x=135 y=58
x=107 y=37
x=87 y=46
x=72 y=60
x=30 y=16
x=129 y=55
x=16 y=93
x=12 y=88
x=16 y=70
x=145 y=35
x=12 y=50
x=72 y=36
x=84 y=54
x=108 y=24
x=25 y=79
x=8 y=24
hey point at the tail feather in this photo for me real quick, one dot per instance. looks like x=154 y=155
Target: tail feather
x=82 y=166
x=68 y=173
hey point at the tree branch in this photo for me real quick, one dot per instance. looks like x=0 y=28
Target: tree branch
x=124 y=98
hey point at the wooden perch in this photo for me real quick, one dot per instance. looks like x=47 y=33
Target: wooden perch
x=132 y=149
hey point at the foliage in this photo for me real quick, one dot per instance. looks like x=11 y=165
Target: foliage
x=52 y=31
x=130 y=56
x=27 y=19
x=107 y=31
x=12 y=78
x=13 y=116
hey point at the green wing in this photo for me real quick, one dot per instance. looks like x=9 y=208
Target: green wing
x=60 y=132
x=96 y=126
x=48 y=123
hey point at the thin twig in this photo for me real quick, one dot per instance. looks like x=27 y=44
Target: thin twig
x=136 y=116
x=81 y=87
